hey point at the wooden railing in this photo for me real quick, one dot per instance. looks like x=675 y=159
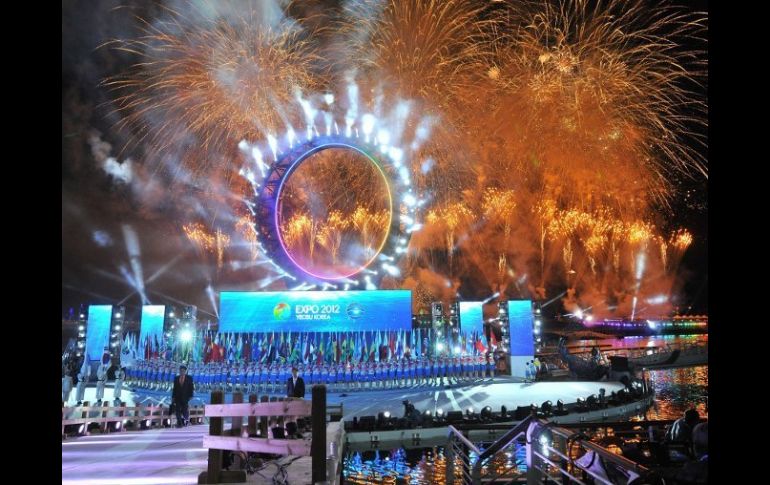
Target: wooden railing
x=256 y=437
x=106 y=414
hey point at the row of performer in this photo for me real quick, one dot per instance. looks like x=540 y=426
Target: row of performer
x=159 y=375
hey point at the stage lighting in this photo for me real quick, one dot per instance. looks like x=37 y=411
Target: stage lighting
x=117 y=315
x=591 y=401
x=486 y=413
x=382 y=419
x=81 y=327
x=439 y=412
x=546 y=408
x=186 y=335
x=469 y=411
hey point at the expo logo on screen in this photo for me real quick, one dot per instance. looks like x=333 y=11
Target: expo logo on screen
x=282 y=311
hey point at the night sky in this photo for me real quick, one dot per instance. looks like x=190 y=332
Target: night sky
x=97 y=207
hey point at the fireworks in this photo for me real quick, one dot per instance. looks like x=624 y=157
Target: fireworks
x=207 y=243
x=362 y=229
x=206 y=80
x=550 y=130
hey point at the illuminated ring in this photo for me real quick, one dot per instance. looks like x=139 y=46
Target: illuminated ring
x=400 y=198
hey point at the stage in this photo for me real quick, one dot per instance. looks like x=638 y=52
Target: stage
x=498 y=392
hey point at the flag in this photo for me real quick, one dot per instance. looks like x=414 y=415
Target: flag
x=480 y=345
x=357 y=348
x=306 y=349
x=268 y=347
x=399 y=347
x=281 y=346
x=215 y=349
x=333 y=352
x=247 y=348
x=296 y=351
x=492 y=339
x=257 y=352
x=372 y=348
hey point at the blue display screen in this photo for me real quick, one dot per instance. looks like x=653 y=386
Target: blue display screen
x=152 y=323
x=315 y=311
x=98 y=331
x=521 y=326
x=471 y=317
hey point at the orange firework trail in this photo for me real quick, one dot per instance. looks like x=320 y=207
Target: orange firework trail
x=214 y=79
x=562 y=123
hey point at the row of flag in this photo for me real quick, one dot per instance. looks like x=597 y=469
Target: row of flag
x=305 y=347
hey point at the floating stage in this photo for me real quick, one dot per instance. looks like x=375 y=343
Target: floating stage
x=501 y=391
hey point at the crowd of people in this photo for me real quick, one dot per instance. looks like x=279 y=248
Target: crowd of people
x=157 y=374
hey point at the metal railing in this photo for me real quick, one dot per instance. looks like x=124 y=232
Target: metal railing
x=459 y=448
x=554 y=454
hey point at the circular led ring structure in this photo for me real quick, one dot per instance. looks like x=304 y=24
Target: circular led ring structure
x=401 y=205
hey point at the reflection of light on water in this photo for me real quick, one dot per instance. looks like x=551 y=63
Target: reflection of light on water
x=677 y=390
x=421 y=466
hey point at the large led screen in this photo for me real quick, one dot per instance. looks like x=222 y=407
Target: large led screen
x=98 y=331
x=315 y=311
x=471 y=317
x=520 y=320
x=152 y=323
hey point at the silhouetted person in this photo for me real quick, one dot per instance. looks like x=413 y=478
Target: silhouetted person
x=697 y=470
x=681 y=430
x=295 y=386
x=181 y=395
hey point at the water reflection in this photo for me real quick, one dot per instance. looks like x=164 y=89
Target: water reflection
x=676 y=390
x=424 y=466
